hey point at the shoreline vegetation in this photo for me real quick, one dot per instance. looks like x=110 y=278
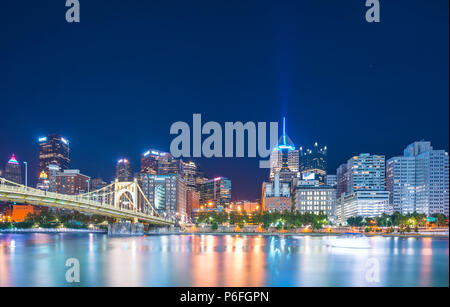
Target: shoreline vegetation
x=235 y=223
x=442 y=233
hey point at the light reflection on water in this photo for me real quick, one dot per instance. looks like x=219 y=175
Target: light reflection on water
x=228 y=260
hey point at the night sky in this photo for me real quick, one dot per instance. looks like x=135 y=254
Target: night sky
x=114 y=83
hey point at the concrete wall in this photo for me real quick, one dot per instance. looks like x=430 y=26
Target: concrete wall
x=126 y=229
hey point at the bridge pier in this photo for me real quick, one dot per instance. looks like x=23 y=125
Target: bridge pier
x=125 y=228
x=163 y=229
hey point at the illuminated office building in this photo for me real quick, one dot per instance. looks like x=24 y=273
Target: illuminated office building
x=341 y=180
x=166 y=193
x=284 y=158
x=192 y=202
x=123 y=171
x=418 y=181
x=191 y=175
x=216 y=192
x=313 y=163
x=13 y=171
x=362 y=203
x=363 y=172
x=309 y=196
x=155 y=162
x=53 y=149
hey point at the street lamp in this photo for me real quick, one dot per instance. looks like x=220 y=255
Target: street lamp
x=26 y=173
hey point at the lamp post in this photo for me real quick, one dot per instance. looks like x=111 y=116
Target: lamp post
x=26 y=173
x=88 y=184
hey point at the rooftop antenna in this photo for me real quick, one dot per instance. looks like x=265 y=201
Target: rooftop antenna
x=284 y=130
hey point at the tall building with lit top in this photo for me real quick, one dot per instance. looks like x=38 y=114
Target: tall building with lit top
x=284 y=158
x=53 y=149
x=13 y=171
x=313 y=163
x=155 y=162
x=123 y=171
x=190 y=173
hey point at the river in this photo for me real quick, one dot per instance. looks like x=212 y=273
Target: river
x=221 y=260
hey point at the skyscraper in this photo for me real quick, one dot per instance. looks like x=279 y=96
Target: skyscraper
x=366 y=172
x=341 y=180
x=216 y=191
x=284 y=158
x=123 y=171
x=314 y=163
x=13 y=171
x=190 y=174
x=155 y=162
x=361 y=188
x=166 y=193
x=53 y=149
x=419 y=180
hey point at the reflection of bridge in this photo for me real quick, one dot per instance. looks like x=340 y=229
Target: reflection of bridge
x=121 y=200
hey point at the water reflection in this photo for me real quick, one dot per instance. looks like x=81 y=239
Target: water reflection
x=209 y=260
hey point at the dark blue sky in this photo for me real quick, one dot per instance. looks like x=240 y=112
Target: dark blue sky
x=114 y=83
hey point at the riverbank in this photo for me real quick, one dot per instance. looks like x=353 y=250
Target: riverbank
x=304 y=234
x=314 y=234
x=52 y=230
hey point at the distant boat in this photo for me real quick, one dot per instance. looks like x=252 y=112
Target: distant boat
x=349 y=241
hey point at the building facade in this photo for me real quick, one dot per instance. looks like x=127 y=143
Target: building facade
x=192 y=202
x=13 y=170
x=276 y=195
x=309 y=196
x=341 y=180
x=155 y=162
x=244 y=205
x=123 y=171
x=362 y=203
x=331 y=180
x=216 y=191
x=53 y=149
x=72 y=182
x=314 y=163
x=166 y=193
x=366 y=172
x=419 y=180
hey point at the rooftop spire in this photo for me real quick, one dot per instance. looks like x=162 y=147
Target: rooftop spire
x=13 y=160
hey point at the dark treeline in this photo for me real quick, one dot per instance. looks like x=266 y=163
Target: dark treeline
x=58 y=219
x=280 y=220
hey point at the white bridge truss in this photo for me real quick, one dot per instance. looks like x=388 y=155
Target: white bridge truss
x=121 y=200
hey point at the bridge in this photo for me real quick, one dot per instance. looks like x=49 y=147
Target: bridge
x=120 y=200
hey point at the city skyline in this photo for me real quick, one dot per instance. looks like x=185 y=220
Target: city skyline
x=114 y=101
